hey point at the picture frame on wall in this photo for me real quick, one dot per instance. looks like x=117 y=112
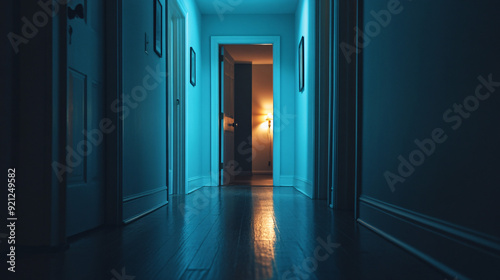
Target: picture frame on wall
x=192 y=67
x=158 y=27
x=301 y=65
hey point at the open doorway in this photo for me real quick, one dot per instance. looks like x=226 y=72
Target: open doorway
x=246 y=118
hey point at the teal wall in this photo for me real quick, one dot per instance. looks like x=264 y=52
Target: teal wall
x=144 y=117
x=427 y=59
x=197 y=140
x=304 y=120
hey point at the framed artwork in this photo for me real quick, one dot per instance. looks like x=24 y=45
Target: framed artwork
x=158 y=27
x=301 y=65
x=192 y=67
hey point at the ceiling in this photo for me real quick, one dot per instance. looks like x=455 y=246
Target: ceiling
x=239 y=7
x=257 y=54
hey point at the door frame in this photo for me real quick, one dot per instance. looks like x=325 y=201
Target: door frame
x=323 y=83
x=343 y=146
x=114 y=140
x=334 y=92
x=177 y=34
x=358 y=12
x=215 y=42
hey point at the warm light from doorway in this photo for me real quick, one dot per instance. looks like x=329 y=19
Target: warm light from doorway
x=269 y=119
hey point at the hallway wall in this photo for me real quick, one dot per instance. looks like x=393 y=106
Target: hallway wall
x=430 y=138
x=304 y=119
x=197 y=155
x=256 y=25
x=144 y=114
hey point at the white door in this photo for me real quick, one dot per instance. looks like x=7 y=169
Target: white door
x=85 y=105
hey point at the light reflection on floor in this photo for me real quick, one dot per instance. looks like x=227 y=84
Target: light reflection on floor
x=264 y=235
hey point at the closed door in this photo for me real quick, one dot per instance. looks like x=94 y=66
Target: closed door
x=228 y=125
x=85 y=111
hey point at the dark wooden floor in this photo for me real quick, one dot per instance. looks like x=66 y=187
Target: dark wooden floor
x=254 y=180
x=232 y=233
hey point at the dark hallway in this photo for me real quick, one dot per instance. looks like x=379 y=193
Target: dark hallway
x=233 y=233
x=377 y=151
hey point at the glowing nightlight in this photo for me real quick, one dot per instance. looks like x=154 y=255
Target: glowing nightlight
x=269 y=119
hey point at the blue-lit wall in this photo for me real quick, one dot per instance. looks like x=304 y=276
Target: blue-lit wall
x=255 y=25
x=145 y=117
x=427 y=58
x=197 y=138
x=304 y=120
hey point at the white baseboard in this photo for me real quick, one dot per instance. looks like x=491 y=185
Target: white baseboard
x=304 y=186
x=196 y=183
x=415 y=232
x=286 y=181
x=138 y=205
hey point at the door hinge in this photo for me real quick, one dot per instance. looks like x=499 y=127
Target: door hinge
x=221 y=58
x=221 y=116
x=221 y=165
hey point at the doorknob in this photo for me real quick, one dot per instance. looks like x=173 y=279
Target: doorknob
x=77 y=12
x=233 y=124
